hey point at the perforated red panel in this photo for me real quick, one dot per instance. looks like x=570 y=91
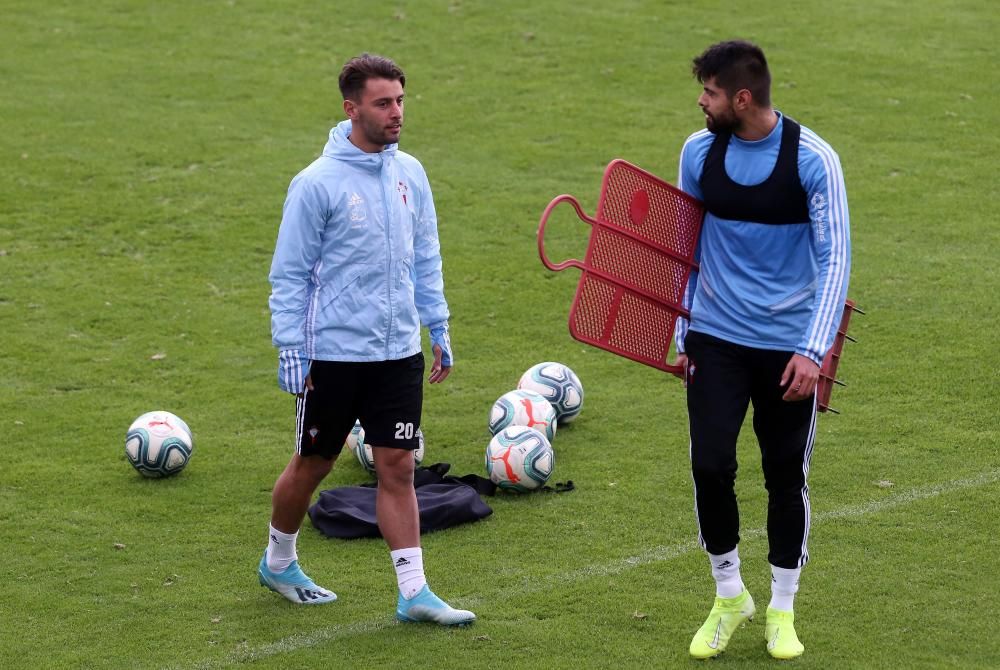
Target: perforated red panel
x=637 y=265
x=650 y=208
x=589 y=317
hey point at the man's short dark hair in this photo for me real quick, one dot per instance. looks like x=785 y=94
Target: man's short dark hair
x=736 y=65
x=360 y=69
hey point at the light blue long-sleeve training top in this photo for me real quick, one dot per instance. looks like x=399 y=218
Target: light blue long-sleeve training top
x=779 y=287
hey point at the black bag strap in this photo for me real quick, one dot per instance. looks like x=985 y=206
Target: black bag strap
x=437 y=473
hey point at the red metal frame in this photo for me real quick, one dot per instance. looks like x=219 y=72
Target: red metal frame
x=828 y=371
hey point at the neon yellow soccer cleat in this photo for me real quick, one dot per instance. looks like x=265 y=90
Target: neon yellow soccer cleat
x=726 y=616
x=779 y=631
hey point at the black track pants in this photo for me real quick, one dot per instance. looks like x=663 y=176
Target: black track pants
x=723 y=379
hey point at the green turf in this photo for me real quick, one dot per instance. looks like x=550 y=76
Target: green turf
x=146 y=149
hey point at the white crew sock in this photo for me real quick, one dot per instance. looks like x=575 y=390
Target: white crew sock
x=726 y=571
x=784 y=584
x=409 y=564
x=280 y=549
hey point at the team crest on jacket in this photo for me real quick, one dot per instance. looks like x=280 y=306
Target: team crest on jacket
x=402 y=188
x=356 y=205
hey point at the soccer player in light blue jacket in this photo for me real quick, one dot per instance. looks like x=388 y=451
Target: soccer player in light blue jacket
x=356 y=272
x=774 y=256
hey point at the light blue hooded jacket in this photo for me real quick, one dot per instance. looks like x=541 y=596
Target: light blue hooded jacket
x=357 y=265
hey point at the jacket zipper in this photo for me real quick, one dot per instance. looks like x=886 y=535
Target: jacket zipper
x=388 y=255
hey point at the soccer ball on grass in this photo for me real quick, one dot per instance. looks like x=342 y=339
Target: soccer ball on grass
x=523 y=408
x=559 y=385
x=519 y=458
x=158 y=444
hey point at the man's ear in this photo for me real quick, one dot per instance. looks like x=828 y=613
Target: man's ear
x=351 y=109
x=743 y=99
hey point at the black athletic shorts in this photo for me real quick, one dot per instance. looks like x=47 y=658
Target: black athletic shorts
x=386 y=396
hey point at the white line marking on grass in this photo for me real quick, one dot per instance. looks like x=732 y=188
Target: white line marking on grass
x=665 y=553
x=913 y=495
x=295 y=643
x=657 y=554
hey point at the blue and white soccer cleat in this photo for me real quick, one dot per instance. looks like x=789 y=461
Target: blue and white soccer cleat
x=425 y=606
x=293 y=584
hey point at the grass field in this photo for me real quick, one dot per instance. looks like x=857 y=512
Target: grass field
x=145 y=149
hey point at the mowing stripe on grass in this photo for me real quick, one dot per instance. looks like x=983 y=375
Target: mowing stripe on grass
x=657 y=554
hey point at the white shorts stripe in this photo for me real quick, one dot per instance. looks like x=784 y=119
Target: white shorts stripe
x=300 y=419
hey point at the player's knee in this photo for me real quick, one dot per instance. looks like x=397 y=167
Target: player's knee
x=787 y=482
x=311 y=468
x=709 y=470
x=394 y=469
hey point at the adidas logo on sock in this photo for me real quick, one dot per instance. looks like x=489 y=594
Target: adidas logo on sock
x=274 y=539
x=401 y=562
x=724 y=565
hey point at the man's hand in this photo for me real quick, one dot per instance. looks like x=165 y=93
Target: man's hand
x=801 y=376
x=441 y=346
x=682 y=362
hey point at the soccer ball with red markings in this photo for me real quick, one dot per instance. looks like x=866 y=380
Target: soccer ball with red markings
x=559 y=385
x=523 y=408
x=363 y=451
x=519 y=458
x=158 y=444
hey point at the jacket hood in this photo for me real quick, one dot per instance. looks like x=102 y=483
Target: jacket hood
x=340 y=148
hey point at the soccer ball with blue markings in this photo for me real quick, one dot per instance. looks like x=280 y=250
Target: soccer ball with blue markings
x=519 y=458
x=363 y=451
x=158 y=444
x=559 y=385
x=354 y=438
x=523 y=408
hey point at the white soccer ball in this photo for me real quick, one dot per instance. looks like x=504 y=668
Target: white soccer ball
x=158 y=444
x=523 y=408
x=363 y=451
x=559 y=385
x=519 y=458
x=356 y=436
x=418 y=453
x=364 y=454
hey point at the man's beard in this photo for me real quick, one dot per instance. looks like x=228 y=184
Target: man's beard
x=727 y=124
x=378 y=134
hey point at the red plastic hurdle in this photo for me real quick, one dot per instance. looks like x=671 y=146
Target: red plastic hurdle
x=637 y=264
x=636 y=268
